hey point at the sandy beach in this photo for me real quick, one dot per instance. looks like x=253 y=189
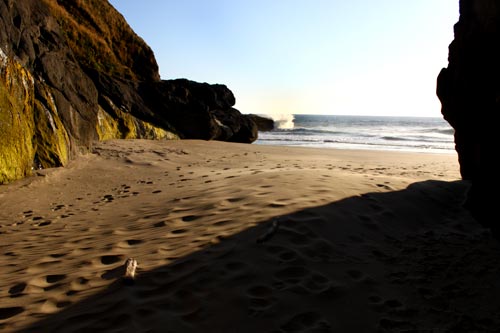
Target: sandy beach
x=245 y=238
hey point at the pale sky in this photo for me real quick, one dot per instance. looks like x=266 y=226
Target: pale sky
x=356 y=57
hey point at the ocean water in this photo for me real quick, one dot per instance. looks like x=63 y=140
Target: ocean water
x=417 y=134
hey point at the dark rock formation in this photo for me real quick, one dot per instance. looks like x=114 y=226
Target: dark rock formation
x=199 y=110
x=72 y=72
x=469 y=90
x=263 y=124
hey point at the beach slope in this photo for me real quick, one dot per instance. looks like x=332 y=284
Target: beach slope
x=245 y=238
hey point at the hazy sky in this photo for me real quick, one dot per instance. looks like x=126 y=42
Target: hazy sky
x=364 y=57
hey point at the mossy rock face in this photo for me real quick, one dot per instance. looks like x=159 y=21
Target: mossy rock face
x=151 y=132
x=126 y=126
x=52 y=142
x=72 y=72
x=16 y=120
x=31 y=131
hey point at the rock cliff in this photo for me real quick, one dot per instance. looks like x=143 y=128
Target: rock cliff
x=72 y=72
x=264 y=124
x=469 y=90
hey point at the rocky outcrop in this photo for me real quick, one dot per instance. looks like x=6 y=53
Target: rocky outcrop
x=263 y=124
x=17 y=123
x=199 y=110
x=469 y=90
x=72 y=72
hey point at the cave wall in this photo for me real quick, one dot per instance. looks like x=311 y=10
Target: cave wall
x=469 y=90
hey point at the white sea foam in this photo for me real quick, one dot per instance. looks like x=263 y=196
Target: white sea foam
x=283 y=120
x=380 y=133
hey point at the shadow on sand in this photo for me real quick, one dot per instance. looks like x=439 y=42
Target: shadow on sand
x=396 y=261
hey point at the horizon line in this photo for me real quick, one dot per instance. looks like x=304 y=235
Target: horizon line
x=344 y=115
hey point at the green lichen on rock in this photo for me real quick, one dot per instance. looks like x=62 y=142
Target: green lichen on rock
x=31 y=131
x=72 y=72
x=16 y=120
x=149 y=131
x=107 y=127
x=51 y=139
x=126 y=126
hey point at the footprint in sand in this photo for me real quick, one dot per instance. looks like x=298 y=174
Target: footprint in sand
x=259 y=291
x=133 y=242
x=77 y=285
x=387 y=214
x=234 y=200
x=369 y=223
x=317 y=283
x=159 y=224
x=298 y=238
x=222 y=223
x=16 y=291
x=303 y=281
x=320 y=250
x=291 y=274
x=28 y=213
x=283 y=254
x=277 y=205
x=57 y=207
x=46 y=283
x=307 y=322
x=393 y=325
x=45 y=223
x=190 y=218
x=183 y=304
x=9 y=312
x=179 y=231
x=55 y=278
x=398 y=277
x=385 y=187
x=107 y=198
x=111 y=259
x=260 y=299
x=41 y=267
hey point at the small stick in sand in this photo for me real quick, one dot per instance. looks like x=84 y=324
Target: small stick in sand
x=269 y=233
x=130 y=267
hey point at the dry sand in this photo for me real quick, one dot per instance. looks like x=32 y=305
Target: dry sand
x=245 y=238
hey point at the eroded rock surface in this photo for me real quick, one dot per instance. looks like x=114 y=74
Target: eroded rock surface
x=72 y=72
